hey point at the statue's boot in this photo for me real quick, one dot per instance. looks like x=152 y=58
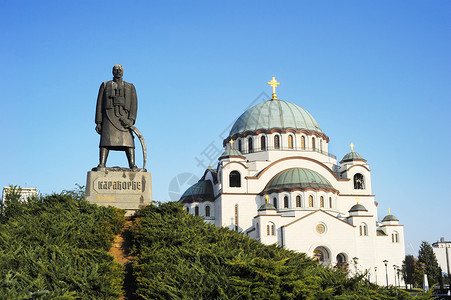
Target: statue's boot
x=131 y=158
x=103 y=157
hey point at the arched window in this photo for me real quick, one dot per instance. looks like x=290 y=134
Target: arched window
x=187 y=209
x=394 y=237
x=363 y=229
x=303 y=142
x=276 y=142
x=321 y=145
x=240 y=148
x=207 y=211
x=275 y=202
x=290 y=141
x=196 y=211
x=359 y=182
x=298 y=201
x=235 y=179
x=250 y=144
x=330 y=202
x=318 y=255
x=271 y=229
x=321 y=201
x=263 y=143
x=341 y=259
x=313 y=143
x=310 y=201
x=285 y=201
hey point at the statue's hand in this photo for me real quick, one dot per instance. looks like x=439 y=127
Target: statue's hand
x=126 y=122
x=99 y=128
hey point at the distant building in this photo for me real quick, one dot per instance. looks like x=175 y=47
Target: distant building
x=25 y=193
x=277 y=183
x=442 y=250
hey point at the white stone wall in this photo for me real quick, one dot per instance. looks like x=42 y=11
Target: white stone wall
x=442 y=251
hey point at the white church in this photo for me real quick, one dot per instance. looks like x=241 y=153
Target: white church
x=277 y=183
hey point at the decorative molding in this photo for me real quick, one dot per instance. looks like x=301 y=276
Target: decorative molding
x=296 y=157
x=235 y=162
x=353 y=167
x=319 y=210
x=299 y=189
x=308 y=133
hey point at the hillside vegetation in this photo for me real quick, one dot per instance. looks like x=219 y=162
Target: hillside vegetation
x=181 y=257
x=55 y=247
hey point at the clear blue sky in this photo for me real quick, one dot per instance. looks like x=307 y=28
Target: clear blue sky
x=375 y=73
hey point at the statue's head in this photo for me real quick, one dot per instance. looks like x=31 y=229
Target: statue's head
x=118 y=71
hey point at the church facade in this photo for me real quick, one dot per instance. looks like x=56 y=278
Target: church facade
x=277 y=183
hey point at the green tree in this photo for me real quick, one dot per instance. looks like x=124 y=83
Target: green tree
x=426 y=255
x=408 y=269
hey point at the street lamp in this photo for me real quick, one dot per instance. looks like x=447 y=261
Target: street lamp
x=356 y=260
x=375 y=273
x=394 y=271
x=386 y=272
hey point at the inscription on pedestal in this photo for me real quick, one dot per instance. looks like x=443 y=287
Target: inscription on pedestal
x=117 y=186
x=122 y=188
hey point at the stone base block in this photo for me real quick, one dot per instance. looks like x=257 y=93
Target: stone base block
x=122 y=188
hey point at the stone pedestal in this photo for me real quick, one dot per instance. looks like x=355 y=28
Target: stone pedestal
x=119 y=187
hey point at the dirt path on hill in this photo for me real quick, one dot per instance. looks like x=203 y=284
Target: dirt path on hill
x=122 y=254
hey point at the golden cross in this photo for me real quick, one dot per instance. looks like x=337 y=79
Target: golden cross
x=274 y=84
x=267 y=198
x=389 y=211
x=357 y=200
x=352 y=147
x=231 y=144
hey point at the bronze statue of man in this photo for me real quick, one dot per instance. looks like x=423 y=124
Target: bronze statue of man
x=116 y=111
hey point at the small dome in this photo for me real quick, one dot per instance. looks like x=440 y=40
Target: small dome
x=389 y=218
x=358 y=207
x=352 y=156
x=231 y=152
x=201 y=191
x=275 y=114
x=267 y=206
x=297 y=178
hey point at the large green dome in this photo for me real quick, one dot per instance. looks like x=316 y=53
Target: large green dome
x=297 y=178
x=275 y=114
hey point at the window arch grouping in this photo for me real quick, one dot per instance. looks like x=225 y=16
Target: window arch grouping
x=196 y=211
x=235 y=179
x=285 y=202
x=263 y=143
x=313 y=143
x=240 y=147
x=394 y=237
x=321 y=201
x=270 y=229
x=207 y=211
x=363 y=229
x=298 y=201
x=310 y=201
x=250 y=144
x=303 y=142
x=290 y=141
x=359 y=182
x=276 y=142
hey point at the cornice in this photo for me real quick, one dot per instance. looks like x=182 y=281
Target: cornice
x=319 y=210
x=295 y=157
x=353 y=167
x=278 y=130
x=299 y=189
x=235 y=162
